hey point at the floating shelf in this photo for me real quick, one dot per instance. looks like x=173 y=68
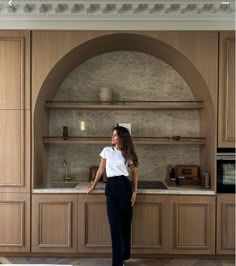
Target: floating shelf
x=136 y=140
x=122 y=105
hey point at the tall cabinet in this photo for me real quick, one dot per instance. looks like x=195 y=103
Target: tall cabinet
x=226 y=111
x=226 y=139
x=15 y=141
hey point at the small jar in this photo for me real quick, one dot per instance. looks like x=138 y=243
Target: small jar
x=205 y=180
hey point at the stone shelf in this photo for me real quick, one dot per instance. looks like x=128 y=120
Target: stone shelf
x=136 y=140
x=126 y=105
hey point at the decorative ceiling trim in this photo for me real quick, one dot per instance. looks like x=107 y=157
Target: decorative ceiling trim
x=117 y=11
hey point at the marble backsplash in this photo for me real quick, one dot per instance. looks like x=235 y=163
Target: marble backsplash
x=132 y=76
x=153 y=160
x=143 y=123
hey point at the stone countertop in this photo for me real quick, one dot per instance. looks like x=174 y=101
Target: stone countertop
x=82 y=188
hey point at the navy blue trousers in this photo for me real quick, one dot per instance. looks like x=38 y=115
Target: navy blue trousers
x=118 y=193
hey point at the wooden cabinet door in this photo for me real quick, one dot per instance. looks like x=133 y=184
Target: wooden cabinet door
x=225 y=224
x=226 y=112
x=15 y=111
x=15 y=150
x=14 y=222
x=193 y=219
x=93 y=226
x=54 y=223
x=14 y=70
x=150 y=224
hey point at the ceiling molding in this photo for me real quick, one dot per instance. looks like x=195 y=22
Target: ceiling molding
x=117 y=14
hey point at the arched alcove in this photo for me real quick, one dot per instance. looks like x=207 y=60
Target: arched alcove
x=123 y=42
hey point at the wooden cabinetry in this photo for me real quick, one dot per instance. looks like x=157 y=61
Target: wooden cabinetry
x=54 y=223
x=225 y=224
x=15 y=150
x=93 y=225
x=15 y=111
x=15 y=141
x=164 y=224
x=149 y=229
x=14 y=222
x=15 y=70
x=193 y=219
x=151 y=224
x=226 y=112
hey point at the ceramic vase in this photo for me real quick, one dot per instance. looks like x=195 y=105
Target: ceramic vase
x=105 y=95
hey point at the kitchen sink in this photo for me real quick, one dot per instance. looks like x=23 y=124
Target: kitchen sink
x=61 y=185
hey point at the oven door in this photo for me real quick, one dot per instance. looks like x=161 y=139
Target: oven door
x=226 y=175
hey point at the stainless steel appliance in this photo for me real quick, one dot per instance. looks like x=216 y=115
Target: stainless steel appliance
x=226 y=170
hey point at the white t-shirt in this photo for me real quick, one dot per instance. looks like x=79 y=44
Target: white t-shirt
x=115 y=162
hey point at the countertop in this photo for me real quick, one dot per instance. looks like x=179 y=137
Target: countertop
x=82 y=187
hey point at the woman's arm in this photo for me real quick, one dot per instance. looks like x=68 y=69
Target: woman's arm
x=99 y=173
x=135 y=183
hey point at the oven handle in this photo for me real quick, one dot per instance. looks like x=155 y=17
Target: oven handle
x=226 y=158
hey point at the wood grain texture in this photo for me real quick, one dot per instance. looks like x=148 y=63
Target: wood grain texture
x=193 y=225
x=226 y=115
x=93 y=226
x=15 y=137
x=11 y=139
x=15 y=222
x=97 y=232
x=15 y=70
x=15 y=143
x=54 y=221
x=225 y=224
x=150 y=235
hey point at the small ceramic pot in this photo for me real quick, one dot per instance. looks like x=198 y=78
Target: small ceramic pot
x=105 y=95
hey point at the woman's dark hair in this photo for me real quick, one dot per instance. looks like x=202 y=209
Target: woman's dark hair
x=127 y=146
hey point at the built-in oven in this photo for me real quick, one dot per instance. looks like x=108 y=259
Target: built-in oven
x=226 y=170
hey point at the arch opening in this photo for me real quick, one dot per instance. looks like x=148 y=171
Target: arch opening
x=121 y=42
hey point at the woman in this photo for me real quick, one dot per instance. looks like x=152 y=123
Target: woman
x=120 y=197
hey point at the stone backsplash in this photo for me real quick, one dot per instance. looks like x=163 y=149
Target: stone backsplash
x=132 y=76
x=153 y=160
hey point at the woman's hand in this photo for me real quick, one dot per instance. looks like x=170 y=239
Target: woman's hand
x=98 y=175
x=90 y=189
x=133 y=198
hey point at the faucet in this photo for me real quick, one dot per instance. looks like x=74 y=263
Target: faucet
x=66 y=177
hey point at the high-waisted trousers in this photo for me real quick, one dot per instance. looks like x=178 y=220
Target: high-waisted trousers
x=118 y=193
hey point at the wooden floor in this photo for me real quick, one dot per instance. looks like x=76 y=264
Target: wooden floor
x=107 y=261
